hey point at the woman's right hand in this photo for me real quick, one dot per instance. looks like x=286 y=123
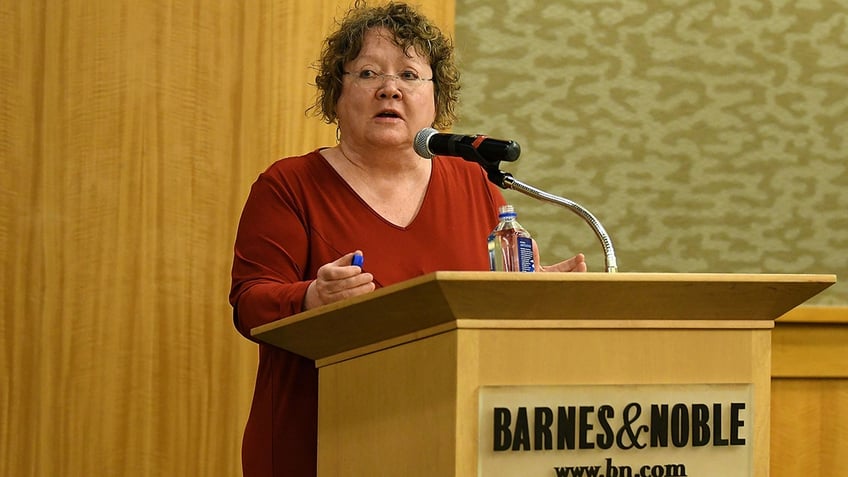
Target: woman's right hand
x=336 y=281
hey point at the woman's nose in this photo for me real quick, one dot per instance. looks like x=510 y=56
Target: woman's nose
x=389 y=87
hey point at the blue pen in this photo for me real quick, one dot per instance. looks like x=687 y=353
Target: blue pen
x=358 y=260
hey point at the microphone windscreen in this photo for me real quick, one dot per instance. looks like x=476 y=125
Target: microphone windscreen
x=422 y=138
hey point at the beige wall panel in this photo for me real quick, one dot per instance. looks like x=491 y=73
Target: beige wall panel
x=706 y=136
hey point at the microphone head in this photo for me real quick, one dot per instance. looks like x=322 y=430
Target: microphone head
x=421 y=143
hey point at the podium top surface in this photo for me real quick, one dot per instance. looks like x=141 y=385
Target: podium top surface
x=442 y=298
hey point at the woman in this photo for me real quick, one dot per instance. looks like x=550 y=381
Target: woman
x=384 y=75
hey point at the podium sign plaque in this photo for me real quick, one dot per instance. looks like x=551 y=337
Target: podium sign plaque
x=627 y=430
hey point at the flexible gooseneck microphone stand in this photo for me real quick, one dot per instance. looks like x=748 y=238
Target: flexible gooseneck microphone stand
x=505 y=180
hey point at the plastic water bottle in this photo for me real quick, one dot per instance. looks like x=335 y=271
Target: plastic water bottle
x=510 y=245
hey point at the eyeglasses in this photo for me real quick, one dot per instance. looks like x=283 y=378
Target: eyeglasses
x=408 y=80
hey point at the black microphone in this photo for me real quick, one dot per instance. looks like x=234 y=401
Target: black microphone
x=481 y=149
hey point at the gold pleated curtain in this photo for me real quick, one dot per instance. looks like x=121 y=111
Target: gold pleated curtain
x=130 y=133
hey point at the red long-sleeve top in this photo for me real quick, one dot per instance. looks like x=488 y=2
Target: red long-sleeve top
x=300 y=215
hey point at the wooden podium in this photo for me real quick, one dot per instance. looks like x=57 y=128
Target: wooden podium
x=400 y=369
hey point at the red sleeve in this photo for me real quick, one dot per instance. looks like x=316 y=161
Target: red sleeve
x=269 y=256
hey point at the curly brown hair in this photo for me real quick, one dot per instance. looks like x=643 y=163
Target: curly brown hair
x=409 y=29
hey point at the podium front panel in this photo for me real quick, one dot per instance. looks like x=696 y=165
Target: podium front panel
x=413 y=409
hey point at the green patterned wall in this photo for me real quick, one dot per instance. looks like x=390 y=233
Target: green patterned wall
x=707 y=136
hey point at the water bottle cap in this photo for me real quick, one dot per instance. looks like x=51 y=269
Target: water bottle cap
x=506 y=211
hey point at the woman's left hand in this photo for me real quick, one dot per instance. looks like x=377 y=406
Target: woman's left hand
x=576 y=263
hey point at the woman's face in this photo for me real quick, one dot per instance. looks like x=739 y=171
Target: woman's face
x=385 y=111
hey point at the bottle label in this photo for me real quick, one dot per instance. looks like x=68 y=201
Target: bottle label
x=525 y=255
x=493 y=266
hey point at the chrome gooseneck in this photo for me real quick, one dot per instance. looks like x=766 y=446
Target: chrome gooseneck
x=507 y=181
